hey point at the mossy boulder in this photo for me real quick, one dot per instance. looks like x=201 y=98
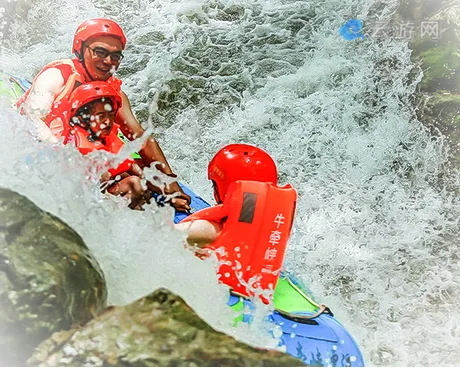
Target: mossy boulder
x=158 y=330
x=441 y=68
x=437 y=101
x=49 y=280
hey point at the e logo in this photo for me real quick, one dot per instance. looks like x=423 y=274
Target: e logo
x=352 y=29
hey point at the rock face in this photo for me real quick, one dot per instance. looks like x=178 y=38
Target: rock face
x=158 y=330
x=439 y=58
x=49 y=281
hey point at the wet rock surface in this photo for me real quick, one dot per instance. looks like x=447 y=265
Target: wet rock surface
x=49 y=280
x=438 y=56
x=158 y=330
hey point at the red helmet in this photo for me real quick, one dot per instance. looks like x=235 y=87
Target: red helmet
x=93 y=91
x=240 y=162
x=96 y=27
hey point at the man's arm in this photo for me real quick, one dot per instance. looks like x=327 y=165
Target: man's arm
x=151 y=151
x=131 y=128
x=41 y=98
x=200 y=233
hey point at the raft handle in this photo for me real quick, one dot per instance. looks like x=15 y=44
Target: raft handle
x=323 y=308
x=296 y=317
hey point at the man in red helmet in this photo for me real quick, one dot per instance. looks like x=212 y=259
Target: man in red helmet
x=98 y=45
x=251 y=222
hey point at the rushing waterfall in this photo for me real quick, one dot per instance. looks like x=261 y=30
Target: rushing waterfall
x=375 y=237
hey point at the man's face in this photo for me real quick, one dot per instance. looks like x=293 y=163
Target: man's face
x=95 y=48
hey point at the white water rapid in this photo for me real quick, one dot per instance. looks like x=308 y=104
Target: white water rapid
x=376 y=232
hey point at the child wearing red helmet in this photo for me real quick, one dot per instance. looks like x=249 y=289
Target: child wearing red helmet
x=92 y=127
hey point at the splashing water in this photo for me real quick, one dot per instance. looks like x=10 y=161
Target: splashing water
x=376 y=230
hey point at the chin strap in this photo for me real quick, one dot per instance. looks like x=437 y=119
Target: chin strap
x=81 y=59
x=86 y=70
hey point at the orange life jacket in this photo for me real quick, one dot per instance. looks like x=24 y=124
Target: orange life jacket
x=257 y=219
x=74 y=74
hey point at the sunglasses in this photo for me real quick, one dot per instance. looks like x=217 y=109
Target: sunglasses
x=102 y=53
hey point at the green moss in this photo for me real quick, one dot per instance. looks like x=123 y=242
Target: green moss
x=441 y=67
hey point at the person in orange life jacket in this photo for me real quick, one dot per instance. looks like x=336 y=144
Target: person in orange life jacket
x=252 y=220
x=92 y=127
x=98 y=45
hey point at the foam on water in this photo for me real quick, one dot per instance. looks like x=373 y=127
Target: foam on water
x=376 y=231
x=138 y=251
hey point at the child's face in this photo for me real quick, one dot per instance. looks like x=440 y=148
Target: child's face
x=102 y=118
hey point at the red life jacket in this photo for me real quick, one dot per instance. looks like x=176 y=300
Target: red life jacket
x=74 y=74
x=257 y=219
x=112 y=143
